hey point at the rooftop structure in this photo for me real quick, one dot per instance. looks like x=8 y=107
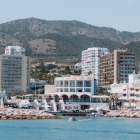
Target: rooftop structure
x=14 y=50
x=91 y=61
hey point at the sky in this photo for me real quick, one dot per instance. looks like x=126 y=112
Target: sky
x=123 y=15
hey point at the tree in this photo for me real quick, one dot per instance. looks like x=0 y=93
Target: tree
x=37 y=75
x=99 y=90
x=67 y=70
x=42 y=67
x=89 y=72
x=19 y=93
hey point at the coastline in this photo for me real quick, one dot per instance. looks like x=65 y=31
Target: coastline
x=127 y=113
x=6 y=113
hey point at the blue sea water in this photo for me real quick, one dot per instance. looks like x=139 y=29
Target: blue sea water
x=86 y=128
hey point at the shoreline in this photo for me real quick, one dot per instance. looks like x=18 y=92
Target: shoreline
x=126 y=113
x=13 y=114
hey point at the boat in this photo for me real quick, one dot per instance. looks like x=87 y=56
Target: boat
x=72 y=119
x=95 y=115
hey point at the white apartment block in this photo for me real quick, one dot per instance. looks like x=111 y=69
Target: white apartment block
x=91 y=61
x=14 y=70
x=14 y=50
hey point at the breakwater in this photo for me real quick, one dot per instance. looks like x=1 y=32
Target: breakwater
x=25 y=114
x=128 y=113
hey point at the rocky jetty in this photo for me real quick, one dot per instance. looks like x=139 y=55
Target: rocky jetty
x=25 y=114
x=129 y=113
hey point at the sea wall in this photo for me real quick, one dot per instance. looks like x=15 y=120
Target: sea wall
x=25 y=114
x=129 y=113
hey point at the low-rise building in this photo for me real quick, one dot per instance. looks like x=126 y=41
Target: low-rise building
x=37 y=84
x=127 y=91
x=77 y=91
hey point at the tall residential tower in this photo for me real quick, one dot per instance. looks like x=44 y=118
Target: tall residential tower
x=14 y=70
x=116 y=66
x=91 y=61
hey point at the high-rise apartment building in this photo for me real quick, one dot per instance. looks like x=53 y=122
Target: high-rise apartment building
x=91 y=61
x=14 y=70
x=116 y=66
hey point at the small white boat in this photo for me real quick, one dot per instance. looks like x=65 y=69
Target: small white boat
x=96 y=115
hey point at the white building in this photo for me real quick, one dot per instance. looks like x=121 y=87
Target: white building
x=127 y=91
x=14 y=70
x=91 y=61
x=14 y=50
x=77 y=91
x=78 y=65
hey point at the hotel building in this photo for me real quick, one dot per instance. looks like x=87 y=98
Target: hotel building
x=116 y=66
x=91 y=61
x=14 y=70
x=79 y=92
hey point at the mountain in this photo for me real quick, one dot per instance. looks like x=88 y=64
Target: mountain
x=30 y=28
x=64 y=46
x=132 y=46
x=60 y=39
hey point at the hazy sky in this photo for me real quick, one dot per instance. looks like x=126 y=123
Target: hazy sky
x=123 y=15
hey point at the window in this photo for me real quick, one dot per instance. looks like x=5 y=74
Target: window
x=87 y=89
x=72 y=83
x=66 y=89
x=79 y=90
x=79 y=84
x=66 y=83
x=61 y=83
x=57 y=84
x=72 y=89
x=87 y=83
x=61 y=89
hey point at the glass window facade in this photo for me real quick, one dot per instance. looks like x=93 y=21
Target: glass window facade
x=87 y=89
x=61 y=89
x=66 y=83
x=79 y=90
x=79 y=84
x=72 y=83
x=87 y=83
x=57 y=84
x=61 y=83
x=72 y=89
x=66 y=89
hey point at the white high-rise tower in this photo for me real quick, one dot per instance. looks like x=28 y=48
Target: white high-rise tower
x=91 y=61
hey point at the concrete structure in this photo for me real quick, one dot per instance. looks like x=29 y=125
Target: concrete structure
x=74 y=92
x=37 y=84
x=116 y=66
x=14 y=70
x=78 y=65
x=3 y=98
x=127 y=91
x=91 y=61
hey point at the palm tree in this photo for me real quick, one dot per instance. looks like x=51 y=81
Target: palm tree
x=116 y=99
x=112 y=99
x=109 y=103
x=89 y=72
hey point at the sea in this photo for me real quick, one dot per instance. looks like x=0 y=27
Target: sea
x=85 y=128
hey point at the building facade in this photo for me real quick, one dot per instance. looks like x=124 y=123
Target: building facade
x=91 y=61
x=116 y=66
x=14 y=70
x=129 y=92
x=76 y=92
